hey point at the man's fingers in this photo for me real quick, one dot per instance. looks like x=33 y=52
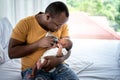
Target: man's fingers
x=47 y=63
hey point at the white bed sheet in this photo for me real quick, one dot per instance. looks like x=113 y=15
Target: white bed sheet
x=104 y=54
x=11 y=70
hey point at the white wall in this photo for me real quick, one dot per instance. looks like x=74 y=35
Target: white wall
x=6 y=9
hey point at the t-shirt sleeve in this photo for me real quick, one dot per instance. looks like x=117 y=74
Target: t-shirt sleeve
x=20 y=31
x=65 y=31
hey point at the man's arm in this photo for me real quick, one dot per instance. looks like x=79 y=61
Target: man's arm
x=53 y=61
x=19 y=49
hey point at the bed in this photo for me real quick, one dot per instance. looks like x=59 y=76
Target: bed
x=96 y=59
x=91 y=59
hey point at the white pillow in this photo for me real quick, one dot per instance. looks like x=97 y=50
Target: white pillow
x=5 y=32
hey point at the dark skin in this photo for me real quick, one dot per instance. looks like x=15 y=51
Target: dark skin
x=18 y=49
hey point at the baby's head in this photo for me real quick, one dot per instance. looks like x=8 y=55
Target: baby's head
x=66 y=43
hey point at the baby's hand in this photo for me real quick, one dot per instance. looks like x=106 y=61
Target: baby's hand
x=38 y=64
x=59 y=46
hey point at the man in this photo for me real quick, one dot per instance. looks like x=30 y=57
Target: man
x=28 y=42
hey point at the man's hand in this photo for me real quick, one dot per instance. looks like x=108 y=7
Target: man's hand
x=52 y=61
x=46 y=42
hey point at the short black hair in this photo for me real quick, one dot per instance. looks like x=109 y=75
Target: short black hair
x=70 y=44
x=56 y=8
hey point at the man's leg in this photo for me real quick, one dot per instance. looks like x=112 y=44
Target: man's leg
x=63 y=72
x=25 y=74
x=40 y=75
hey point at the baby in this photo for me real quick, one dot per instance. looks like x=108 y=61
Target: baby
x=62 y=47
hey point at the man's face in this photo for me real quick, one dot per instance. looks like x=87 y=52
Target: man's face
x=56 y=22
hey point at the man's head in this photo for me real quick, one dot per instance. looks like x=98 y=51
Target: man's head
x=56 y=8
x=56 y=14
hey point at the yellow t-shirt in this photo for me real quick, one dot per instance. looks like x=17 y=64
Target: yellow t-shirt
x=28 y=30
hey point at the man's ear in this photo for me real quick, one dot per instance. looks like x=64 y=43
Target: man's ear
x=48 y=17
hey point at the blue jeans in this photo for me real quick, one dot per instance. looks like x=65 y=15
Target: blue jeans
x=62 y=72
